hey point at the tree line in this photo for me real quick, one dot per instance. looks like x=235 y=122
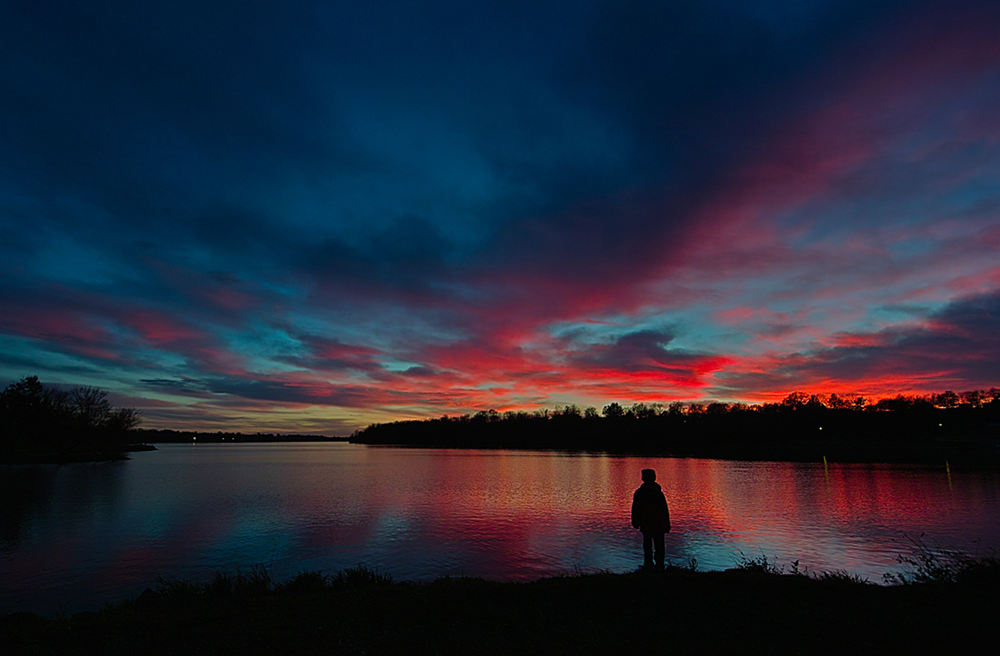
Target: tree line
x=166 y=435
x=41 y=423
x=946 y=426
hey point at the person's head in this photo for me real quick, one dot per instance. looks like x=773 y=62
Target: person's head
x=648 y=475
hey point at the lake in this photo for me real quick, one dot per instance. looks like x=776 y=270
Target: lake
x=75 y=536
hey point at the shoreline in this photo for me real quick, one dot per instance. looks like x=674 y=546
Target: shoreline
x=932 y=460
x=358 y=611
x=964 y=461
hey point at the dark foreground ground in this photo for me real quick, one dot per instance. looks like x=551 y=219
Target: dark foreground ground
x=743 y=611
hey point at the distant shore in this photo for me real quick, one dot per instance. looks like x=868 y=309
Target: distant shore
x=905 y=432
x=166 y=436
x=751 y=609
x=43 y=424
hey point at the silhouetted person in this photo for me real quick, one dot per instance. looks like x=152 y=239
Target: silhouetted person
x=651 y=516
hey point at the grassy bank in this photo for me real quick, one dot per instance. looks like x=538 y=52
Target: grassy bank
x=751 y=609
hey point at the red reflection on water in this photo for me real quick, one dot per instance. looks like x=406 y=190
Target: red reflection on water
x=132 y=562
x=509 y=508
x=424 y=513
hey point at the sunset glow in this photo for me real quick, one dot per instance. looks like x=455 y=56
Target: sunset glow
x=311 y=219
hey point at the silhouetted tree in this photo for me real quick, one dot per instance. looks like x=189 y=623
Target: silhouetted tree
x=900 y=428
x=42 y=423
x=569 y=411
x=613 y=411
x=815 y=404
x=642 y=411
x=973 y=398
x=947 y=399
x=838 y=403
x=795 y=400
x=717 y=408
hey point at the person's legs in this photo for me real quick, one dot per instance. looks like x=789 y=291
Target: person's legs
x=658 y=542
x=647 y=549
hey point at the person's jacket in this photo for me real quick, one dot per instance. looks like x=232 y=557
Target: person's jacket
x=649 y=509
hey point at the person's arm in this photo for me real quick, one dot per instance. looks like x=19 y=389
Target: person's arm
x=635 y=510
x=666 y=513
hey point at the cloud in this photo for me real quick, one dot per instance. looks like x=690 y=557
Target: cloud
x=365 y=209
x=956 y=347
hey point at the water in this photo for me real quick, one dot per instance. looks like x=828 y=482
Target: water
x=76 y=536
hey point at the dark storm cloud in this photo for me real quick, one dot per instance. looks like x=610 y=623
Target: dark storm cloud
x=694 y=94
x=405 y=257
x=172 y=115
x=170 y=119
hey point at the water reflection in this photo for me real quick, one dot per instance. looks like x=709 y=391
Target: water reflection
x=67 y=493
x=81 y=534
x=25 y=490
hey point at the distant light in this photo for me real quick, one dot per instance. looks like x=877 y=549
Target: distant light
x=940 y=425
x=821 y=428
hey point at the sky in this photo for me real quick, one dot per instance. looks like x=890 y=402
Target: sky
x=310 y=217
